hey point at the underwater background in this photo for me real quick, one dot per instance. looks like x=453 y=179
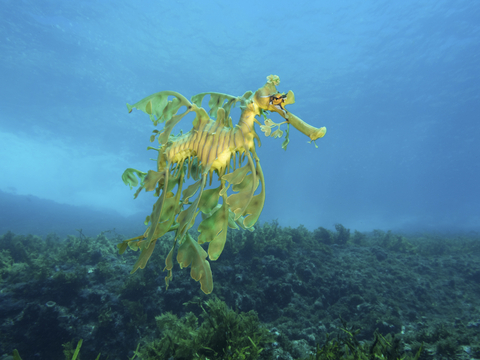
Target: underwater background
x=376 y=230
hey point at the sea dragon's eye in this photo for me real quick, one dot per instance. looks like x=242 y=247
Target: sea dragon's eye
x=277 y=99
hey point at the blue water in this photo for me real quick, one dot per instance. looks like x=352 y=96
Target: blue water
x=397 y=84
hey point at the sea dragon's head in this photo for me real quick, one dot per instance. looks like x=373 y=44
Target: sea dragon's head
x=268 y=98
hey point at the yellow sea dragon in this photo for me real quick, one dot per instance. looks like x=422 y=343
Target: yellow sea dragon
x=212 y=146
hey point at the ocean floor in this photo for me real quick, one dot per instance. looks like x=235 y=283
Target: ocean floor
x=279 y=293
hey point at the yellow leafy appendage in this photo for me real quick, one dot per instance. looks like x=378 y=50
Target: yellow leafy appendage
x=213 y=147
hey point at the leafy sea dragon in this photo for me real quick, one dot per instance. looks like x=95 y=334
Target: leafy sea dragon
x=213 y=147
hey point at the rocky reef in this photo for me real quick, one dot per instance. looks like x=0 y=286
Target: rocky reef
x=280 y=293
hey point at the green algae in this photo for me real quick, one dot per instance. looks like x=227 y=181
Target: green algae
x=375 y=282
x=347 y=347
x=224 y=334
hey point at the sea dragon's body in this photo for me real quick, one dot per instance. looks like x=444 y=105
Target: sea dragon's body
x=212 y=146
x=214 y=142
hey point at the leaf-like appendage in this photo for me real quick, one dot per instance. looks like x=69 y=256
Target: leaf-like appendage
x=190 y=191
x=277 y=134
x=161 y=109
x=152 y=178
x=130 y=179
x=186 y=218
x=239 y=202
x=237 y=176
x=169 y=125
x=216 y=101
x=256 y=204
x=245 y=184
x=156 y=213
x=290 y=98
x=214 y=229
x=144 y=256
x=266 y=129
x=191 y=253
x=169 y=265
x=209 y=200
x=269 y=123
x=158 y=106
x=287 y=140
x=122 y=247
x=216 y=246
